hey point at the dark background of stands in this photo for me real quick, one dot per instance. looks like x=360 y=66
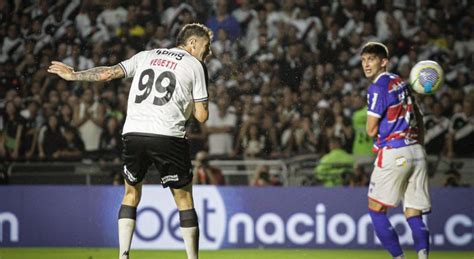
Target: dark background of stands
x=285 y=77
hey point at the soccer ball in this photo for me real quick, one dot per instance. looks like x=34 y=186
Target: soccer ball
x=426 y=77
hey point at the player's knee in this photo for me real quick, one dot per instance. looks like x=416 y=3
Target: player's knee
x=409 y=212
x=188 y=218
x=377 y=207
x=184 y=202
x=131 y=201
x=132 y=195
x=183 y=198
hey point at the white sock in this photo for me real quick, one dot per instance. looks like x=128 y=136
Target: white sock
x=191 y=241
x=400 y=257
x=125 y=229
x=423 y=254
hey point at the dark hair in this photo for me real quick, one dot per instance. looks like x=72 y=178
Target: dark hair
x=376 y=48
x=192 y=29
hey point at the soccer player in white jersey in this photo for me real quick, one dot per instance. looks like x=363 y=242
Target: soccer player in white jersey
x=400 y=170
x=168 y=85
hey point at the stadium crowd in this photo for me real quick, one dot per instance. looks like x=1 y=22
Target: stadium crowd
x=284 y=78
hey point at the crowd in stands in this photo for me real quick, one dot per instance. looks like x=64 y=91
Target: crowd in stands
x=284 y=78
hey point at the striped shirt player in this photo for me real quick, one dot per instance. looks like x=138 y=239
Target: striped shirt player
x=168 y=85
x=400 y=169
x=399 y=153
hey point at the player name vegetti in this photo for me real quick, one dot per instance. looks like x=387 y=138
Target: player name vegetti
x=166 y=62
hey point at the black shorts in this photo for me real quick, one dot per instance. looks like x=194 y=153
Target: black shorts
x=169 y=154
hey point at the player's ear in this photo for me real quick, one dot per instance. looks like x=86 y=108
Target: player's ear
x=384 y=63
x=192 y=42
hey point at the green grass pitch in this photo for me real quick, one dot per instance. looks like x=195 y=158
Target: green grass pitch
x=110 y=253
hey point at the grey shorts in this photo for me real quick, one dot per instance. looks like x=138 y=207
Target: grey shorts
x=400 y=174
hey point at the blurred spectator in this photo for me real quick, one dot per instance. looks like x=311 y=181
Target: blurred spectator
x=3 y=151
x=289 y=136
x=12 y=45
x=259 y=20
x=112 y=106
x=262 y=177
x=31 y=130
x=408 y=23
x=222 y=19
x=453 y=179
x=436 y=129
x=204 y=173
x=333 y=165
x=222 y=44
x=309 y=27
x=220 y=127
x=184 y=14
x=8 y=81
x=89 y=118
x=54 y=24
x=13 y=128
x=244 y=14
x=339 y=126
x=292 y=66
x=111 y=141
x=88 y=27
x=358 y=178
x=110 y=148
x=131 y=30
x=272 y=146
x=306 y=138
x=65 y=116
x=160 y=39
x=113 y=16
x=251 y=140
x=3 y=172
x=170 y=12
x=148 y=11
x=460 y=141
x=362 y=146
x=51 y=139
x=77 y=60
x=196 y=135
x=72 y=149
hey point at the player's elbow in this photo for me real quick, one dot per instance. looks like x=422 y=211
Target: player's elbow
x=201 y=112
x=106 y=77
x=201 y=116
x=372 y=132
x=372 y=126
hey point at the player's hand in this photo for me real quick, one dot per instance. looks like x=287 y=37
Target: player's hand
x=64 y=71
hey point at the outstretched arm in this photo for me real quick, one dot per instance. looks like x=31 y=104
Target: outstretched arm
x=92 y=75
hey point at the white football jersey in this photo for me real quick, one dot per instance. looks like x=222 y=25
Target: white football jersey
x=166 y=83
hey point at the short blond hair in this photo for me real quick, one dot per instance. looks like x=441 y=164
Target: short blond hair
x=193 y=29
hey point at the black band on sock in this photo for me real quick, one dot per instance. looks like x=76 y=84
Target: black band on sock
x=127 y=212
x=188 y=218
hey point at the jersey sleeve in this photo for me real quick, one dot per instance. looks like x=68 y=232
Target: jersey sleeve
x=375 y=101
x=130 y=65
x=200 y=83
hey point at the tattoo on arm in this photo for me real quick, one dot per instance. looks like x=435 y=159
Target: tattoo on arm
x=100 y=74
